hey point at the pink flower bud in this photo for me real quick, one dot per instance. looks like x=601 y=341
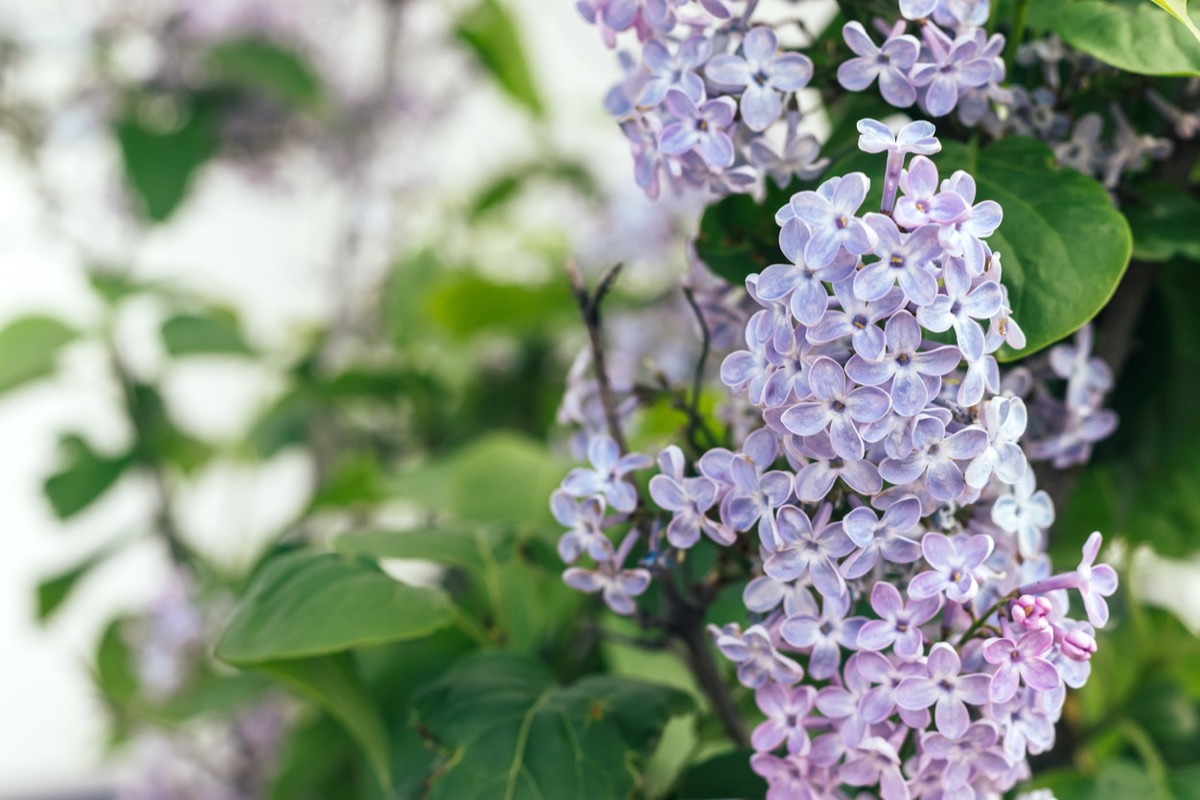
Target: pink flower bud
x=1031 y=612
x=1078 y=646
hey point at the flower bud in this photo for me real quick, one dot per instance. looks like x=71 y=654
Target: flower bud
x=1078 y=646
x=1031 y=612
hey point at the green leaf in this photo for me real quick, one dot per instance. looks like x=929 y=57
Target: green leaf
x=54 y=591
x=1179 y=10
x=1164 y=223
x=334 y=683
x=29 y=349
x=468 y=305
x=84 y=476
x=306 y=604
x=1064 y=247
x=212 y=333
x=267 y=67
x=514 y=733
x=739 y=236
x=493 y=37
x=116 y=675
x=500 y=479
x=160 y=164
x=471 y=550
x=722 y=777
x=1131 y=35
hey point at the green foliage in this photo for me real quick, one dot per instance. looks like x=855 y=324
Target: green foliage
x=1132 y=35
x=269 y=68
x=52 y=592
x=308 y=604
x=83 y=476
x=472 y=550
x=491 y=34
x=1141 y=485
x=467 y=305
x=1179 y=10
x=514 y=733
x=1064 y=247
x=29 y=348
x=500 y=479
x=721 y=777
x=333 y=682
x=215 y=332
x=1163 y=221
x=161 y=161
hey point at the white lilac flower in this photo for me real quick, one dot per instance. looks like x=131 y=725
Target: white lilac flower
x=1025 y=513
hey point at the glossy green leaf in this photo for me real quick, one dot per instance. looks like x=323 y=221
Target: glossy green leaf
x=502 y=478
x=160 y=164
x=84 y=475
x=739 y=236
x=1132 y=35
x=306 y=604
x=1165 y=220
x=267 y=67
x=492 y=35
x=213 y=333
x=29 y=348
x=334 y=683
x=1064 y=247
x=514 y=733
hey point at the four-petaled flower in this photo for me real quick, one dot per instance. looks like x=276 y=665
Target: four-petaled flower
x=954 y=562
x=830 y=214
x=763 y=73
x=700 y=128
x=618 y=585
x=836 y=407
x=1019 y=661
x=897 y=626
x=808 y=547
x=910 y=369
x=942 y=684
x=605 y=477
x=756 y=656
x=786 y=709
x=889 y=63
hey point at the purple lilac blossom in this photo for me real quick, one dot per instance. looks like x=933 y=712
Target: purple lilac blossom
x=949 y=551
x=761 y=74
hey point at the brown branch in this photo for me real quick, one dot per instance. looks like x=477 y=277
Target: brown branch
x=589 y=310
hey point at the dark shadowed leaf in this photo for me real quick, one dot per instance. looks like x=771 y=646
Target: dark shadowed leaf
x=261 y=66
x=514 y=733
x=722 y=777
x=334 y=683
x=1165 y=221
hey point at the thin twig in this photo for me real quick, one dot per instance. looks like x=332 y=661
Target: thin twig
x=701 y=362
x=589 y=310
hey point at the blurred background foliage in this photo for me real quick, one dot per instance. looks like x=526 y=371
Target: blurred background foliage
x=424 y=404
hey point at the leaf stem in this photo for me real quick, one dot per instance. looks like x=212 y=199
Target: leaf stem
x=1020 y=17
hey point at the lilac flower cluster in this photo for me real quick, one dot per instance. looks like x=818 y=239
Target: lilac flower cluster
x=900 y=570
x=954 y=63
x=699 y=99
x=1066 y=423
x=1084 y=143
